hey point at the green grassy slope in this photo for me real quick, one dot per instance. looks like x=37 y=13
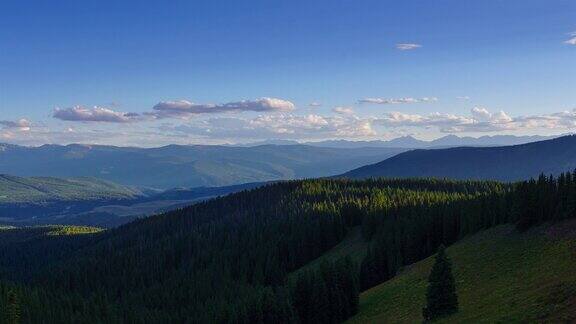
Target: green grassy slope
x=39 y=189
x=502 y=277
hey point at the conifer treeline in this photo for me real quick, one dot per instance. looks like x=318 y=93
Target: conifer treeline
x=227 y=260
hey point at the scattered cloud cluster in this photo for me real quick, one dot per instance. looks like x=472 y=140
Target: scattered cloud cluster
x=572 y=39
x=217 y=129
x=9 y=128
x=397 y=101
x=407 y=46
x=95 y=114
x=181 y=109
x=480 y=120
x=187 y=121
x=287 y=126
x=346 y=125
x=185 y=109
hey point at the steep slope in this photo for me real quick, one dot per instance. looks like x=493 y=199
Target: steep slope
x=227 y=259
x=502 y=276
x=186 y=166
x=499 y=163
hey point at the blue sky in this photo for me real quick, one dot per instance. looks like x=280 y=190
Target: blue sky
x=103 y=71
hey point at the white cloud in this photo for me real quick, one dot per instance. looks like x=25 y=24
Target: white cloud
x=407 y=46
x=95 y=114
x=572 y=40
x=483 y=115
x=399 y=119
x=314 y=104
x=22 y=125
x=185 y=109
x=463 y=98
x=397 y=101
x=11 y=130
x=343 y=110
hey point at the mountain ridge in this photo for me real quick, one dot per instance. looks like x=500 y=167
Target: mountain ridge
x=410 y=142
x=504 y=163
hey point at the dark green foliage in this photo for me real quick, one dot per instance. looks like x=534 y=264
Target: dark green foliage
x=227 y=260
x=441 y=298
x=380 y=264
x=327 y=295
x=544 y=199
x=413 y=223
x=12 y=311
x=27 y=250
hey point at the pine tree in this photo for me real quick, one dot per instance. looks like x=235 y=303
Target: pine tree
x=441 y=295
x=13 y=308
x=302 y=299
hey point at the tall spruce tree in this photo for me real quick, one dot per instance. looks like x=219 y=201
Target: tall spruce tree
x=441 y=295
x=13 y=308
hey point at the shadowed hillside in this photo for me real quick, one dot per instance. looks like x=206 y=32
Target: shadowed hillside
x=506 y=163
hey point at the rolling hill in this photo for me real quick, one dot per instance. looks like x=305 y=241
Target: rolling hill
x=26 y=201
x=50 y=200
x=506 y=163
x=40 y=190
x=186 y=166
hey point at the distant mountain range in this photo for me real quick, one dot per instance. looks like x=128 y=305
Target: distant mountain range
x=411 y=142
x=505 y=163
x=186 y=166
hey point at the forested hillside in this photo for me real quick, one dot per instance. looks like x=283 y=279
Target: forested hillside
x=506 y=163
x=227 y=260
x=37 y=190
x=90 y=201
x=49 y=200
